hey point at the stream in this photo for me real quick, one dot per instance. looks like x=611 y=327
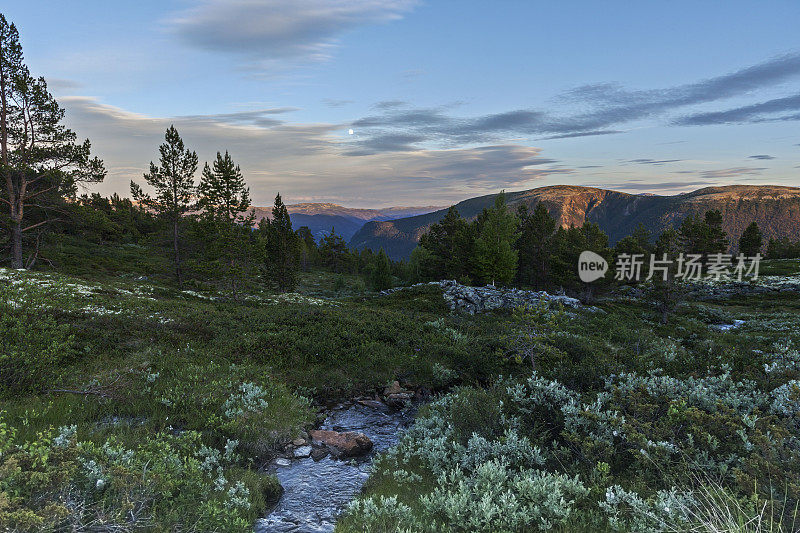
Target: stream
x=315 y=492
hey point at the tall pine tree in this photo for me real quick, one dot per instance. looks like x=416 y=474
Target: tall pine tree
x=224 y=196
x=282 y=248
x=173 y=182
x=495 y=257
x=40 y=161
x=533 y=244
x=225 y=199
x=751 y=240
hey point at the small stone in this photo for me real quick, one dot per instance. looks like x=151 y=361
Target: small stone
x=302 y=452
x=281 y=461
x=298 y=442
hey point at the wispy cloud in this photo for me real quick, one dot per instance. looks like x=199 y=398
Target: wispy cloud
x=609 y=106
x=763 y=157
x=775 y=110
x=262 y=32
x=732 y=172
x=638 y=185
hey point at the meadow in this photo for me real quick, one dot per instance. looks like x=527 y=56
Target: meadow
x=128 y=403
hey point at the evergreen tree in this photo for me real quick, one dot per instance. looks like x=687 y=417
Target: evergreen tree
x=636 y=244
x=333 y=252
x=448 y=248
x=379 y=271
x=495 y=257
x=308 y=250
x=533 y=244
x=751 y=240
x=704 y=235
x=223 y=193
x=225 y=199
x=173 y=182
x=282 y=247
x=566 y=249
x=667 y=291
x=40 y=162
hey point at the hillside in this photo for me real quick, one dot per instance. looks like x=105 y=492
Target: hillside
x=321 y=217
x=776 y=209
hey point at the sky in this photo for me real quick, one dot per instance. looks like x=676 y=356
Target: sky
x=374 y=103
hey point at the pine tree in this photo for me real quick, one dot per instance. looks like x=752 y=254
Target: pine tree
x=224 y=196
x=667 y=292
x=449 y=245
x=40 y=162
x=703 y=235
x=308 y=251
x=533 y=244
x=751 y=240
x=379 y=271
x=333 y=252
x=225 y=199
x=566 y=249
x=495 y=256
x=282 y=247
x=173 y=182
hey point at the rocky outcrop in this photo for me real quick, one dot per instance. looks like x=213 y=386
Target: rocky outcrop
x=344 y=444
x=480 y=299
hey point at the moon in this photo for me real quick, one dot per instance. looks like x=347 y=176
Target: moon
x=350 y=131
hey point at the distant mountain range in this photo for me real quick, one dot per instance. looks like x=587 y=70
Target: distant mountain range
x=776 y=209
x=321 y=217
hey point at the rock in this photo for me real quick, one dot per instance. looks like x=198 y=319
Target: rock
x=480 y=299
x=394 y=388
x=319 y=453
x=400 y=396
x=298 y=441
x=302 y=452
x=345 y=444
x=281 y=461
x=375 y=404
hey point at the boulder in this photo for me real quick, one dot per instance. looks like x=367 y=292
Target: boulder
x=302 y=452
x=344 y=444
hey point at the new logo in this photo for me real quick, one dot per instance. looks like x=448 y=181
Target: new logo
x=591 y=266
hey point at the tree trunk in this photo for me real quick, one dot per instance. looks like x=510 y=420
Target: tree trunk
x=178 y=273
x=16 y=245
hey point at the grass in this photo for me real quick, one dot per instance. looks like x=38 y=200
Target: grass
x=130 y=360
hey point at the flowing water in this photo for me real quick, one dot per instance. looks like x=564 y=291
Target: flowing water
x=316 y=492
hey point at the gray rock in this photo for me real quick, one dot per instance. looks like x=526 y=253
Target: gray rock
x=302 y=452
x=282 y=461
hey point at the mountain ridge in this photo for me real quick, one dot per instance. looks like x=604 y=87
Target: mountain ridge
x=775 y=208
x=321 y=217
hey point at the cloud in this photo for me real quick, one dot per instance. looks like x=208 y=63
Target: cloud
x=770 y=111
x=583 y=134
x=607 y=106
x=638 y=185
x=304 y=160
x=731 y=172
x=761 y=156
x=263 y=31
x=333 y=102
x=653 y=161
